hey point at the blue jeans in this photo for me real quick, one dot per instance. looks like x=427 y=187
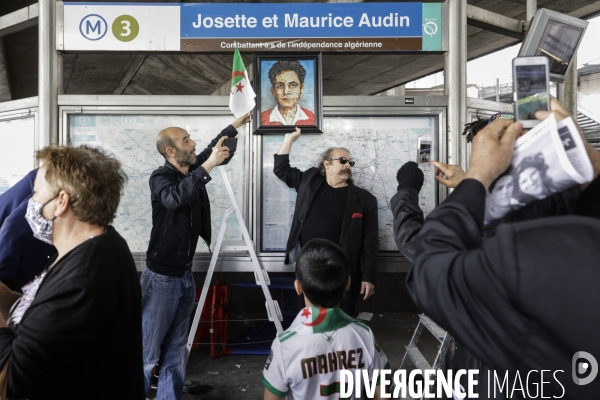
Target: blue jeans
x=167 y=304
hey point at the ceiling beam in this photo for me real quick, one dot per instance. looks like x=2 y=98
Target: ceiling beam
x=129 y=71
x=19 y=20
x=495 y=22
x=588 y=11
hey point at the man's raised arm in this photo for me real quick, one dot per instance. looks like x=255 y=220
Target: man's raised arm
x=282 y=169
x=288 y=140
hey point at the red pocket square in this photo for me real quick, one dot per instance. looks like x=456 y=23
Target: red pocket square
x=357 y=215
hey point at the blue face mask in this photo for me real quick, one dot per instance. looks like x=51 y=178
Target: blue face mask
x=41 y=227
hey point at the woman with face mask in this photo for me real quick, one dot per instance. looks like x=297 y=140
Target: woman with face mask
x=79 y=321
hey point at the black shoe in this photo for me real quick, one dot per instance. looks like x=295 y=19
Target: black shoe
x=194 y=387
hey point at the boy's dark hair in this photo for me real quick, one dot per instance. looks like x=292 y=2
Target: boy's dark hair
x=322 y=270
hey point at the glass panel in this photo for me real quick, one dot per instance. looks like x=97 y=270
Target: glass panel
x=380 y=145
x=17 y=151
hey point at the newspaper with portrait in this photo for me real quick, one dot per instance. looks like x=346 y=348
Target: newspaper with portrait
x=550 y=158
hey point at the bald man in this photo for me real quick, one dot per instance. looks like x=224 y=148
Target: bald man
x=180 y=215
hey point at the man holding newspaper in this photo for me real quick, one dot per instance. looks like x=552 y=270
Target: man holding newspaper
x=550 y=158
x=525 y=301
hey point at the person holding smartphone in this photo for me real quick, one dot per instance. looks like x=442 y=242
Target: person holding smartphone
x=408 y=222
x=408 y=217
x=180 y=216
x=330 y=206
x=512 y=326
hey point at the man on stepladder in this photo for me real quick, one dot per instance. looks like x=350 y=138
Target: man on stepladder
x=180 y=215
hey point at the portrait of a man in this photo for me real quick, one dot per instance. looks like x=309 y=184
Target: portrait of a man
x=288 y=92
x=288 y=83
x=500 y=192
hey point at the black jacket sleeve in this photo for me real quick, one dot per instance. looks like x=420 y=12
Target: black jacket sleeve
x=408 y=220
x=173 y=194
x=464 y=285
x=290 y=175
x=370 y=242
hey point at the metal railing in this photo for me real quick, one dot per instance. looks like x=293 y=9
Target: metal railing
x=588 y=107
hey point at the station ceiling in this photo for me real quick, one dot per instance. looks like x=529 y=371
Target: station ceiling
x=206 y=74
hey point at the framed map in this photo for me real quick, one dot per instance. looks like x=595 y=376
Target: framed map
x=132 y=139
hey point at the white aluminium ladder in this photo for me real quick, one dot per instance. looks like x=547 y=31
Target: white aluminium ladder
x=414 y=354
x=261 y=275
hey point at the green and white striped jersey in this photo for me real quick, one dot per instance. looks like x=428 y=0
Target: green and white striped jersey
x=305 y=360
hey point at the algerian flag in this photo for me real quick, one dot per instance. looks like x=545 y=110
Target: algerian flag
x=241 y=95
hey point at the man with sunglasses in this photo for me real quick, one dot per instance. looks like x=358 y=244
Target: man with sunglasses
x=330 y=206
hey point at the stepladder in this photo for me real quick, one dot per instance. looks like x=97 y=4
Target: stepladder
x=261 y=275
x=414 y=354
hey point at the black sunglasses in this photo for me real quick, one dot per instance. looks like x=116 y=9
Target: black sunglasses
x=343 y=160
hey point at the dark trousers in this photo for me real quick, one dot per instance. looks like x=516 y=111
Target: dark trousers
x=348 y=303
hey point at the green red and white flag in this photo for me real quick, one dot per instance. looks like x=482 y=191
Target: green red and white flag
x=241 y=95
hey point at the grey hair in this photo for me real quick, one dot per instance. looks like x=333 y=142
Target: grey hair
x=326 y=155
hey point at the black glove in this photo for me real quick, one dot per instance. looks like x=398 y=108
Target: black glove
x=410 y=176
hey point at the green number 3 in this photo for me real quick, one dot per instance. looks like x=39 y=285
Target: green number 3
x=125 y=28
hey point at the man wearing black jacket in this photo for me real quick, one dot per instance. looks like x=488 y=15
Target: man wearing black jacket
x=330 y=206
x=180 y=215
x=524 y=301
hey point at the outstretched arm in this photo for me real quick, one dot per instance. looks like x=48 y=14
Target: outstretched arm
x=282 y=169
x=288 y=141
x=241 y=120
x=408 y=216
x=408 y=220
x=447 y=174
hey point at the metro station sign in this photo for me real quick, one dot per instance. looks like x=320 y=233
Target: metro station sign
x=256 y=27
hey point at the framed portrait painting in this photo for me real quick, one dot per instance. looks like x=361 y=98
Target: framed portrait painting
x=288 y=93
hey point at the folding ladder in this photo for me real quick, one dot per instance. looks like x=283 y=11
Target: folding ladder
x=414 y=354
x=260 y=274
